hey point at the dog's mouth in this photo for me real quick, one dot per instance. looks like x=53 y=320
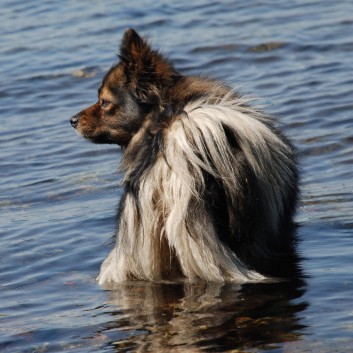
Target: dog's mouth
x=74 y=121
x=97 y=135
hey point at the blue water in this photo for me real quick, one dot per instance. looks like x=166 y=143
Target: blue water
x=58 y=193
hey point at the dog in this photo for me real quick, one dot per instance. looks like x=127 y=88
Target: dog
x=210 y=185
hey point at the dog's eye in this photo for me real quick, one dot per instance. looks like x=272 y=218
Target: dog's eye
x=105 y=103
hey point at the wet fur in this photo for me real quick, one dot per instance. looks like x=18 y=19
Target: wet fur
x=210 y=186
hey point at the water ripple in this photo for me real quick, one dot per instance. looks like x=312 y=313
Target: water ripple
x=58 y=194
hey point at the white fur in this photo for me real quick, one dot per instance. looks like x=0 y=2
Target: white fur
x=149 y=237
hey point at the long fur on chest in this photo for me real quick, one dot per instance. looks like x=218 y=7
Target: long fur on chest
x=202 y=196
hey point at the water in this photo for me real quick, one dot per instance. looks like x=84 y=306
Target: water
x=58 y=193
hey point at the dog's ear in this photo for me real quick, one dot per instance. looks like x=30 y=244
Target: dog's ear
x=133 y=48
x=148 y=73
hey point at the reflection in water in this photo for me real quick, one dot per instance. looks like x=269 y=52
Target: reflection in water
x=205 y=317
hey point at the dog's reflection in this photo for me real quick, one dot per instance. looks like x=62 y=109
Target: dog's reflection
x=204 y=317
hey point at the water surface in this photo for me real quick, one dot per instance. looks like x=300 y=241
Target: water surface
x=58 y=193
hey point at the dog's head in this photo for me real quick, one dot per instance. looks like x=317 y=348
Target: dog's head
x=130 y=92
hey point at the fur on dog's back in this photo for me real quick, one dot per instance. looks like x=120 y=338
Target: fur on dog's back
x=211 y=184
x=220 y=167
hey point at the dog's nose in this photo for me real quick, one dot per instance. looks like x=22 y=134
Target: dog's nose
x=74 y=120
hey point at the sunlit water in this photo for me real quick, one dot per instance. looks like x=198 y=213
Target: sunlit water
x=59 y=194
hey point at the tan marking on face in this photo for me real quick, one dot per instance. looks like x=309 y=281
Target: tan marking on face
x=87 y=120
x=106 y=94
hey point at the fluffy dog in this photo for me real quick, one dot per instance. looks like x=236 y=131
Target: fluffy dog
x=211 y=184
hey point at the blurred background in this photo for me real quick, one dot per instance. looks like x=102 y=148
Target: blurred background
x=58 y=193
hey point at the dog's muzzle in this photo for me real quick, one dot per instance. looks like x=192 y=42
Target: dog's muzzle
x=74 y=120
